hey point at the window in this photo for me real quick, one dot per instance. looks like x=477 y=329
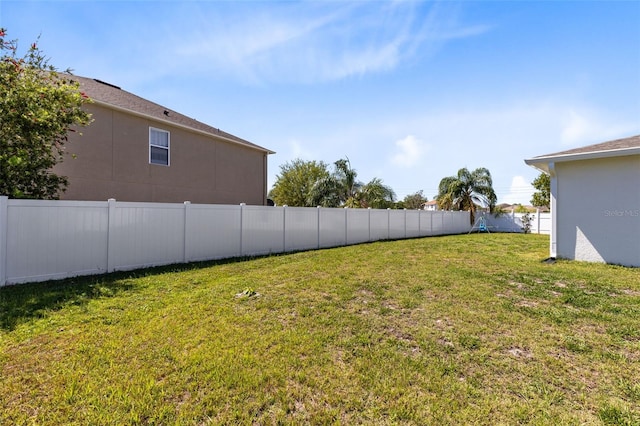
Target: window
x=158 y=146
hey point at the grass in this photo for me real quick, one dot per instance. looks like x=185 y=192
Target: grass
x=470 y=329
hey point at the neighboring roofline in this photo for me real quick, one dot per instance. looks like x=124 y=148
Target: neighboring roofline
x=182 y=126
x=113 y=97
x=542 y=163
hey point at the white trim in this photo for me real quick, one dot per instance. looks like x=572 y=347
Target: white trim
x=553 y=206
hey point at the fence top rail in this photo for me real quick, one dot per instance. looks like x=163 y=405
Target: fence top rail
x=134 y=204
x=15 y=202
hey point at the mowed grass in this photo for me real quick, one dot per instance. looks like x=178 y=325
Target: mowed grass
x=469 y=329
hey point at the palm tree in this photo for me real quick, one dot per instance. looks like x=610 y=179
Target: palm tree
x=376 y=195
x=342 y=189
x=337 y=189
x=467 y=191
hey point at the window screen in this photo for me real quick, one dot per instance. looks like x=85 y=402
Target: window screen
x=158 y=146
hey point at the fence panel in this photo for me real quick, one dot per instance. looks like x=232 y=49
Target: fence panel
x=412 y=225
x=357 y=226
x=396 y=224
x=379 y=221
x=543 y=225
x=301 y=228
x=455 y=222
x=262 y=230
x=437 y=226
x=333 y=231
x=426 y=218
x=55 y=239
x=147 y=234
x=213 y=232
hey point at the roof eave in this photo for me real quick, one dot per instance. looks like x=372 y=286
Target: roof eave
x=182 y=126
x=542 y=163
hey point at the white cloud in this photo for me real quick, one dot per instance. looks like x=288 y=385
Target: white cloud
x=576 y=128
x=520 y=192
x=586 y=126
x=411 y=152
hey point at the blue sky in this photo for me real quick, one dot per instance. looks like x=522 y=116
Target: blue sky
x=409 y=91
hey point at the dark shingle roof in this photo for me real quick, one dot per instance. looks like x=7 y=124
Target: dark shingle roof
x=618 y=144
x=106 y=93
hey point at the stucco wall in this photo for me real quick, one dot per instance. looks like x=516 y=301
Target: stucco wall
x=112 y=161
x=598 y=210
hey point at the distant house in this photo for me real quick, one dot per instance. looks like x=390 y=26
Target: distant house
x=430 y=205
x=595 y=201
x=136 y=150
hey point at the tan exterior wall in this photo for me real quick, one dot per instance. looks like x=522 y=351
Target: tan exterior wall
x=112 y=161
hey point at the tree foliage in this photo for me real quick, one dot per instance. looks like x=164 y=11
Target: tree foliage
x=38 y=107
x=542 y=197
x=342 y=189
x=467 y=191
x=413 y=201
x=294 y=184
x=310 y=184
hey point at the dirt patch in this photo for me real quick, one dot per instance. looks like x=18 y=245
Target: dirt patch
x=527 y=304
x=520 y=353
x=518 y=285
x=444 y=324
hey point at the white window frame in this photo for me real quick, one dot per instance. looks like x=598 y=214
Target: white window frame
x=153 y=145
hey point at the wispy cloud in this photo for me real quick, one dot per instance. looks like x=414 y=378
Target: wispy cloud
x=315 y=42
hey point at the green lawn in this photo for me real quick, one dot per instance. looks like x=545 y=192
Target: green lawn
x=469 y=329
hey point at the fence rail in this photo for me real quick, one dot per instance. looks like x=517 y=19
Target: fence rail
x=42 y=240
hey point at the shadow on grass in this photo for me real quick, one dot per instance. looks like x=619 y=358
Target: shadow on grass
x=21 y=303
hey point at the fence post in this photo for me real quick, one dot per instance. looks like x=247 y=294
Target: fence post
x=369 y=208
x=405 y=223
x=431 y=223
x=111 y=239
x=388 y=223
x=241 y=227
x=346 y=226
x=318 y=225
x=185 y=230
x=284 y=228
x=4 y=223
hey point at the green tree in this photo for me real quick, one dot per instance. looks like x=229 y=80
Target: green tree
x=413 y=201
x=467 y=191
x=376 y=195
x=542 y=197
x=294 y=183
x=38 y=107
x=342 y=189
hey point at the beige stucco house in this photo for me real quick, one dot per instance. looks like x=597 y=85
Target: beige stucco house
x=595 y=201
x=136 y=150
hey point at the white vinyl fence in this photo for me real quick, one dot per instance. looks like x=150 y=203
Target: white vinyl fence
x=512 y=222
x=42 y=240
